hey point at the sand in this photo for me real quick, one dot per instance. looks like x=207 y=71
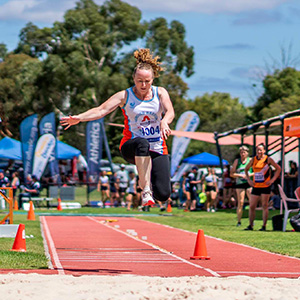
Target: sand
x=44 y=287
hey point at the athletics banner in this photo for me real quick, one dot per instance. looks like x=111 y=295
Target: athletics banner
x=188 y=121
x=43 y=150
x=47 y=125
x=94 y=141
x=29 y=135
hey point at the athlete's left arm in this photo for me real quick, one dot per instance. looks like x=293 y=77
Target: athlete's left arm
x=168 y=110
x=277 y=170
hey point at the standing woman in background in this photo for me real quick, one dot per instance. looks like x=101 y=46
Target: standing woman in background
x=210 y=186
x=147 y=111
x=15 y=183
x=263 y=180
x=103 y=187
x=241 y=184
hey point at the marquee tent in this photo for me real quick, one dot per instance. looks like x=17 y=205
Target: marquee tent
x=11 y=149
x=204 y=159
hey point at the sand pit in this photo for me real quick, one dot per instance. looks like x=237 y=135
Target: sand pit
x=34 y=286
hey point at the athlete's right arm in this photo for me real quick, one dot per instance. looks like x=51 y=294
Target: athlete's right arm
x=95 y=113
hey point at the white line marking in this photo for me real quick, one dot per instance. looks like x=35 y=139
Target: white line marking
x=219 y=239
x=52 y=247
x=47 y=253
x=158 y=248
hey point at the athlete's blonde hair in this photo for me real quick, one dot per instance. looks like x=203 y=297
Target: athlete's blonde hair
x=146 y=61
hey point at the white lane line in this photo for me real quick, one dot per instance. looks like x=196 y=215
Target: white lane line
x=52 y=247
x=219 y=239
x=158 y=248
x=46 y=249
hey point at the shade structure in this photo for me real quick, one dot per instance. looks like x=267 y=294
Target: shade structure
x=11 y=149
x=204 y=159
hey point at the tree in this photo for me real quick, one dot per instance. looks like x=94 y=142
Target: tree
x=281 y=91
x=17 y=79
x=3 y=51
x=87 y=57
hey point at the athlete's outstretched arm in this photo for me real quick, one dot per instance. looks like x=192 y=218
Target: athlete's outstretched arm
x=168 y=110
x=99 y=112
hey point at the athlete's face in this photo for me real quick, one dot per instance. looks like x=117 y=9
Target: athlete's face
x=143 y=80
x=243 y=154
x=260 y=151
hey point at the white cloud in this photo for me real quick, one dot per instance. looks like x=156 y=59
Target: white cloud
x=51 y=10
x=206 y=6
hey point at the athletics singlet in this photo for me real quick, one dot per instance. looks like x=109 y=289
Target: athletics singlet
x=262 y=172
x=142 y=119
x=240 y=169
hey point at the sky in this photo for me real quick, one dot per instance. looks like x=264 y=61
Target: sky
x=236 y=42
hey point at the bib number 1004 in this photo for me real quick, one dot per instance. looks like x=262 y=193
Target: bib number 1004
x=150 y=131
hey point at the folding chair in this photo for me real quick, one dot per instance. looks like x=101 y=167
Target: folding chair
x=287 y=211
x=297 y=193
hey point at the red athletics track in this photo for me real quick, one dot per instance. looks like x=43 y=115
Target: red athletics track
x=92 y=245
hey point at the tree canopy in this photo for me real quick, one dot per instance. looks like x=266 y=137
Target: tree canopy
x=81 y=61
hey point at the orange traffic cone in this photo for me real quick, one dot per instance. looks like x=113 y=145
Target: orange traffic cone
x=59 y=204
x=20 y=241
x=169 y=208
x=16 y=205
x=31 y=215
x=200 y=247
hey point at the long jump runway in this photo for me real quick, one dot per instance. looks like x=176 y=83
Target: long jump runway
x=106 y=246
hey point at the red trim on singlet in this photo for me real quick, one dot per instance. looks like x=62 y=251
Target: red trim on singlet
x=165 y=148
x=127 y=134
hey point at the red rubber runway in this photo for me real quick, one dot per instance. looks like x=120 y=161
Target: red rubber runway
x=112 y=246
x=97 y=245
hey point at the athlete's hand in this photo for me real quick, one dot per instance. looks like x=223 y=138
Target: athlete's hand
x=165 y=130
x=69 y=121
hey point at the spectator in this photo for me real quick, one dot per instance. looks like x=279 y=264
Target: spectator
x=242 y=186
x=228 y=191
x=261 y=184
x=4 y=182
x=192 y=177
x=131 y=190
x=15 y=183
x=31 y=189
x=210 y=186
x=113 y=187
x=292 y=179
x=103 y=187
x=122 y=180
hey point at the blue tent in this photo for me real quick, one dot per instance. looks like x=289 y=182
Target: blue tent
x=204 y=159
x=65 y=151
x=11 y=149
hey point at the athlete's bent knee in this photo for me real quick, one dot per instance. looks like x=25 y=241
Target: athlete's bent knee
x=142 y=148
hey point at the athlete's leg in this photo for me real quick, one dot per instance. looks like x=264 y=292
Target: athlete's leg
x=240 y=199
x=265 y=206
x=253 y=204
x=137 y=151
x=160 y=176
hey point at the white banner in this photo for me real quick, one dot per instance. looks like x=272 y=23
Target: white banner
x=188 y=121
x=43 y=150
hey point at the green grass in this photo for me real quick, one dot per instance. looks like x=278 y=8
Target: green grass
x=221 y=224
x=34 y=257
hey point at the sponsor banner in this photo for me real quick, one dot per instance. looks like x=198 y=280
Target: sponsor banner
x=94 y=141
x=47 y=125
x=44 y=148
x=188 y=121
x=29 y=135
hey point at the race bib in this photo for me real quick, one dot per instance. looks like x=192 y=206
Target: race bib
x=259 y=177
